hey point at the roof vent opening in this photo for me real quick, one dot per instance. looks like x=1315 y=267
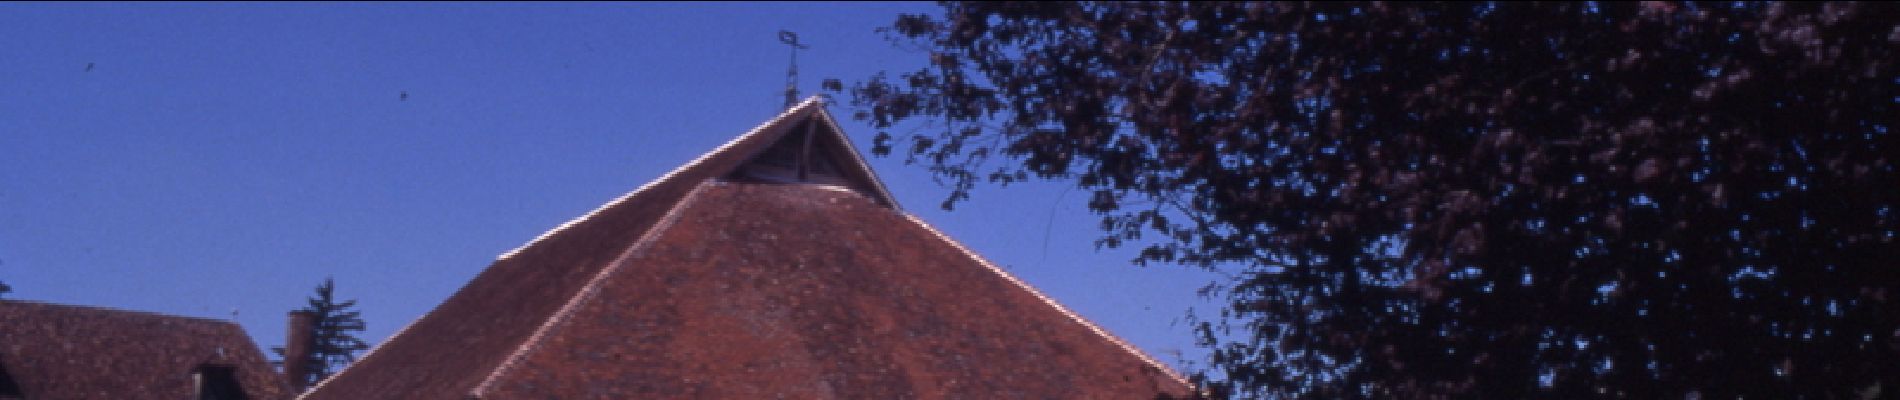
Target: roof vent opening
x=800 y=157
x=218 y=382
x=8 y=389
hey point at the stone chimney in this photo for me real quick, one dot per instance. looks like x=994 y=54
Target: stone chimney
x=302 y=332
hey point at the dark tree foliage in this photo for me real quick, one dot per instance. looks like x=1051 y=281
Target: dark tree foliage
x=1498 y=200
x=334 y=344
x=4 y=289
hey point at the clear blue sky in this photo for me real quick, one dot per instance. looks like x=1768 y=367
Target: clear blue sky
x=221 y=158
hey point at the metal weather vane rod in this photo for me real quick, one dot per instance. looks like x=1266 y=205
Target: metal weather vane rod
x=791 y=74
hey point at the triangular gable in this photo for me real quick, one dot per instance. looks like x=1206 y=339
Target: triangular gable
x=789 y=127
x=813 y=150
x=450 y=350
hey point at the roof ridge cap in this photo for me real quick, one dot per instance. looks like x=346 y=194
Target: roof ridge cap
x=587 y=292
x=108 y=309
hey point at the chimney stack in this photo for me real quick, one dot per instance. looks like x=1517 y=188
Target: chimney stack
x=301 y=335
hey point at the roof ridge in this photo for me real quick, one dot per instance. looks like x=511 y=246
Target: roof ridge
x=588 y=291
x=1090 y=326
x=120 y=310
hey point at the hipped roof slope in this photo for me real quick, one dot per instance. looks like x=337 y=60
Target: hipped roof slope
x=701 y=286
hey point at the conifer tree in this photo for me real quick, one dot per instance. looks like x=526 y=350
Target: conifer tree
x=334 y=344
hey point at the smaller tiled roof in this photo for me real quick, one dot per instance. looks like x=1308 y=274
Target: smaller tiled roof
x=56 y=351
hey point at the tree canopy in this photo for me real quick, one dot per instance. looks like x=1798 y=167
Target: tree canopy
x=1500 y=199
x=334 y=344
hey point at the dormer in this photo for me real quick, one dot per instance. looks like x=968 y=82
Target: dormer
x=217 y=382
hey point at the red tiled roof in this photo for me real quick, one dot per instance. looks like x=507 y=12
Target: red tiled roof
x=71 y=352
x=694 y=286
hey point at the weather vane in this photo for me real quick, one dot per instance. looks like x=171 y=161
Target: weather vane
x=791 y=74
